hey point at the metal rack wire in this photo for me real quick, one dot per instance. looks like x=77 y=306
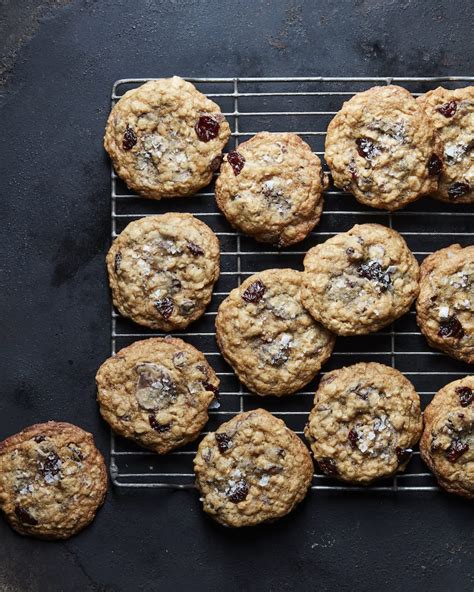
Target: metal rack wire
x=305 y=106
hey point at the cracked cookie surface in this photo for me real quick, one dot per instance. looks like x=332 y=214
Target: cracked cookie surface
x=360 y=281
x=447 y=444
x=271 y=187
x=253 y=469
x=452 y=112
x=382 y=147
x=162 y=270
x=272 y=343
x=52 y=480
x=445 y=305
x=364 y=422
x=156 y=392
x=165 y=138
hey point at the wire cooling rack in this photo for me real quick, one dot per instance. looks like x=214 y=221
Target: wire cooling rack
x=304 y=106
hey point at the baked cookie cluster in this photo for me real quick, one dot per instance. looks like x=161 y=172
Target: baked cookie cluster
x=276 y=329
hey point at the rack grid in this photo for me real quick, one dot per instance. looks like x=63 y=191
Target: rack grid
x=303 y=105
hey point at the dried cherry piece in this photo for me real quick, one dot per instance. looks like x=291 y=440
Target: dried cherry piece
x=236 y=161
x=223 y=441
x=239 y=492
x=129 y=139
x=435 y=165
x=403 y=454
x=195 y=249
x=24 y=516
x=328 y=466
x=165 y=307
x=372 y=270
x=456 y=450
x=254 y=293
x=451 y=327
x=117 y=261
x=458 y=189
x=207 y=128
x=448 y=109
x=366 y=148
x=157 y=426
x=466 y=395
x=353 y=436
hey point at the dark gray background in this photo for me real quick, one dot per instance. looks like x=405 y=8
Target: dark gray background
x=59 y=60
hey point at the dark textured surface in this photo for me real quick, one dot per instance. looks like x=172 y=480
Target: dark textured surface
x=59 y=61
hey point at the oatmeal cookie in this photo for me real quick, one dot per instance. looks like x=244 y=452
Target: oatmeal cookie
x=360 y=281
x=272 y=343
x=162 y=270
x=365 y=420
x=271 y=188
x=52 y=480
x=445 y=306
x=383 y=148
x=165 y=138
x=253 y=469
x=157 y=392
x=452 y=112
x=447 y=444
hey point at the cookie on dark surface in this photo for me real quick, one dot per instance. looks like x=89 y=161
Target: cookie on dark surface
x=266 y=335
x=445 y=305
x=253 y=469
x=382 y=147
x=359 y=281
x=447 y=444
x=365 y=420
x=156 y=392
x=52 y=480
x=271 y=188
x=165 y=138
x=452 y=113
x=162 y=270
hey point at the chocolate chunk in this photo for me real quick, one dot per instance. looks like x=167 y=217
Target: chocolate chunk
x=129 y=139
x=224 y=441
x=254 y=293
x=366 y=148
x=466 y=395
x=215 y=163
x=372 y=270
x=165 y=307
x=195 y=249
x=458 y=189
x=117 y=261
x=210 y=387
x=238 y=492
x=403 y=454
x=328 y=466
x=435 y=165
x=353 y=437
x=24 y=516
x=51 y=467
x=40 y=438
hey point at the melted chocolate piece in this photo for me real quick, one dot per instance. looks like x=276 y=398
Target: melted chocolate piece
x=117 y=261
x=456 y=450
x=195 y=249
x=239 y=492
x=458 y=189
x=224 y=441
x=466 y=395
x=448 y=109
x=254 y=293
x=353 y=437
x=165 y=307
x=403 y=454
x=328 y=466
x=24 y=516
x=129 y=139
x=158 y=427
x=435 y=165
x=372 y=270
x=451 y=327
x=366 y=148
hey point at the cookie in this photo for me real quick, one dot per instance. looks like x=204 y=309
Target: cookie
x=273 y=344
x=382 y=147
x=360 y=281
x=365 y=420
x=452 y=113
x=52 y=480
x=157 y=393
x=271 y=188
x=447 y=444
x=445 y=306
x=165 y=138
x=253 y=469
x=162 y=270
